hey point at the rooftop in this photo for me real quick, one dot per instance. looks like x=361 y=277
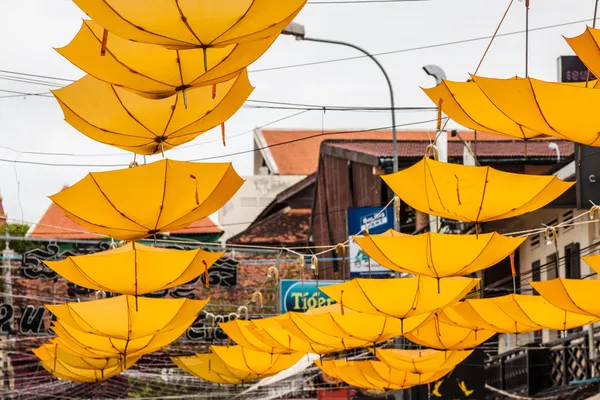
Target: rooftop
x=286 y=227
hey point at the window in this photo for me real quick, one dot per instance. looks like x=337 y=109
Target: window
x=567 y=217
x=572 y=263
x=536 y=273
x=551 y=267
x=534 y=241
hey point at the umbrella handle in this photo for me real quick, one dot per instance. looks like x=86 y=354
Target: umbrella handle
x=435 y=152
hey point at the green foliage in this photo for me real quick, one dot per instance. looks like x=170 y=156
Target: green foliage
x=17 y=245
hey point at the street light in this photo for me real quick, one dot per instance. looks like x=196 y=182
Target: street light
x=297 y=30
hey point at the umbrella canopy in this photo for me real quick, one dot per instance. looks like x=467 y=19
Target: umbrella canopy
x=135 y=203
x=427 y=254
x=375 y=375
x=421 y=361
x=242 y=333
x=593 y=262
x=472 y=194
x=522 y=108
x=352 y=325
x=574 y=295
x=400 y=298
x=54 y=351
x=587 y=48
x=117 y=318
x=189 y=24
x=281 y=338
x=135 y=269
x=68 y=372
x=255 y=362
x=97 y=346
x=211 y=368
x=439 y=333
x=155 y=72
x=120 y=118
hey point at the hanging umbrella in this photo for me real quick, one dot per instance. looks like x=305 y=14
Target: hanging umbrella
x=593 y=262
x=135 y=203
x=155 y=72
x=67 y=372
x=574 y=295
x=587 y=48
x=117 y=317
x=472 y=194
x=400 y=298
x=242 y=333
x=192 y=24
x=120 y=118
x=135 y=269
x=368 y=328
x=427 y=254
x=97 y=346
x=522 y=107
x=421 y=361
x=283 y=339
x=54 y=351
x=439 y=333
x=211 y=368
x=255 y=362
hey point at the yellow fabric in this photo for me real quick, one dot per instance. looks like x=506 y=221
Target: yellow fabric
x=134 y=269
x=375 y=375
x=282 y=338
x=473 y=194
x=135 y=203
x=427 y=254
x=575 y=295
x=117 y=318
x=67 y=372
x=522 y=108
x=155 y=72
x=192 y=23
x=115 y=116
x=421 y=361
x=439 y=334
x=96 y=346
x=211 y=368
x=400 y=298
x=255 y=362
x=587 y=48
x=241 y=332
x=53 y=351
x=593 y=262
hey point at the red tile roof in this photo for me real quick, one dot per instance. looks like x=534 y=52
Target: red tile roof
x=54 y=224
x=415 y=149
x=296 y=152
x=289 y=226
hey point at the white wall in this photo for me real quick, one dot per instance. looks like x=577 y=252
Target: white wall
x=252 y=198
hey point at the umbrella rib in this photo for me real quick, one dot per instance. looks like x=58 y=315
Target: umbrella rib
x=527 y=315
x=112 y=87
x=429 y=246
x=113 y=206
x=140 y=28
x=137 y=73
x=162 y=203
x=537 y=104
x=487 y=171
x=554 y=178
x=398 y=267
x=98 y=285
x=573 y=301
x=187 y=25
x=427 y=169
x=237 y=22
x=99 y=128
x=173 y=108
x=369 y=300
x=466 y=267
x=93 y=223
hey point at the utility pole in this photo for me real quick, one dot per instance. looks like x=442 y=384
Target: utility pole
x=7 y=255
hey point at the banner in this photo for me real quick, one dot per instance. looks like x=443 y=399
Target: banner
x=292 y=297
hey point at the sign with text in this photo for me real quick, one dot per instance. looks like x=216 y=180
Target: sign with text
x=376 y=219
x=299 y=296
x=362 y=266
x=571 y=69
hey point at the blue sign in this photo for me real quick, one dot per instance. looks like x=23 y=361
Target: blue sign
x=377 y=220
x=290 y=293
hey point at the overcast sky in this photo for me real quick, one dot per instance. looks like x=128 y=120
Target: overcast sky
x=29 y=29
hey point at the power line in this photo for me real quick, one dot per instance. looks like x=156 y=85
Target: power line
x=362 y=2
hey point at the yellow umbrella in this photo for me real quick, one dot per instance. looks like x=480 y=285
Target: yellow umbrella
x=439 y=333
x=54 y=351
x=283 y=339
x=574 y=295
x=211 y=368
x=242 y=333
x=97 y=346
x=427 y=254
x=587 y=48
x=255 y=362
x=135 y=269
x=472 y=194
x=135 y=203
x=68 y=372
x=192 y=24
x=155 y=72
x=120 y=118
x=421 y=361
x=117 y=318
x=400 y=298
x=593 y=262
